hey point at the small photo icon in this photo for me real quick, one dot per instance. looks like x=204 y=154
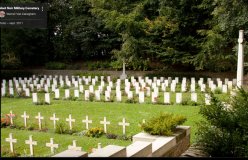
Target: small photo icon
x=2 y=14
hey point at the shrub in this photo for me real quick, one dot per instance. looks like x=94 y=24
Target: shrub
x=55 y=65
x=217 y=91
x=164 y=124
x=60 y=128
x=111 y=136
x=9 y=74
x=10 y=61
x=95 y=132
x=224 y=130
x=91 y=97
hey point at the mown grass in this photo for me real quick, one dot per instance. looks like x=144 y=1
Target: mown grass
x=134 y=113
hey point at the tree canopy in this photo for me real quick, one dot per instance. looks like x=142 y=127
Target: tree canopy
x=199 y=34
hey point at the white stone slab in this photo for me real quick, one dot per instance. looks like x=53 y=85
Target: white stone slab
x=162 y=145
x=178 y=98
x=194 y=97
x=141 y=97
x=110 y=151
x=139 y=149
x=71 y=153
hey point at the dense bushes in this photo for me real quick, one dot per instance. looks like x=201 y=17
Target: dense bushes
x=224 y=132
x=10 y=61
x=164 y=124
x=9 y=74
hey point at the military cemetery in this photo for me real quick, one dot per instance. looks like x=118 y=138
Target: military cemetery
x=154 y=78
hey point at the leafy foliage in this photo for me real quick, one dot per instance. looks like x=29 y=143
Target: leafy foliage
x=164 y=124
x=224 y=132
x=95 y=132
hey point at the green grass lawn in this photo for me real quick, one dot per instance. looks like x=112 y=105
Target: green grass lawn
x=134 y=113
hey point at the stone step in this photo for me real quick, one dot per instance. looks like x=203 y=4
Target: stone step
x=71 y=153
x=139 y=149
x=109 y=151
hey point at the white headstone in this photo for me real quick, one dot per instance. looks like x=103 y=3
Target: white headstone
x=3 y=91
x=207 y=99
x=67 y=93
x=76 y=93
x=35 y=98
x=56 y=93
x=141 y=97
x=118 y=96
x=107 y=95
x=47 y=98
x=130 y=95
x=97 y=95
x=81 y=88
x=194 y=97
x=178 y=98
x=224 y=88
x=11 y=91
x=86 y=95
x=167 y=97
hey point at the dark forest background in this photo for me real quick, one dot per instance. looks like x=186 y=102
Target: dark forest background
x=146 y=34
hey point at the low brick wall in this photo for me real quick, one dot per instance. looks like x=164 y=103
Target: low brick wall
x=182 y=144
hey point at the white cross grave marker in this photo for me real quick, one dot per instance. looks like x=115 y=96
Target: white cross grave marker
x=105 y=122
x=39 y=119
x=74 y=146
x=70 y=120
x=25 y=118
x=123 y=124
x=11 y=141
x=54 y=119
x=11 y=115
x=52 y=145
x=31 y=143
x=87 y=121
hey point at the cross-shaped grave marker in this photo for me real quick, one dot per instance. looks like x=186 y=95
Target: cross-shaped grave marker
x=52 y=145
x=11 y=115
x=123 y=124
x=87 y=121
x=105 y=122
x=25 y=118
x=39 y=119
x=54 y=119
x=11 y=141
x=70 y=120
x=31 y=143
x=74 y=146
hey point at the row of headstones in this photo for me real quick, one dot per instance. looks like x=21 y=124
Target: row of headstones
x=227 y=85
x=33 y=143
x=69 y=120
x=130 y=96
